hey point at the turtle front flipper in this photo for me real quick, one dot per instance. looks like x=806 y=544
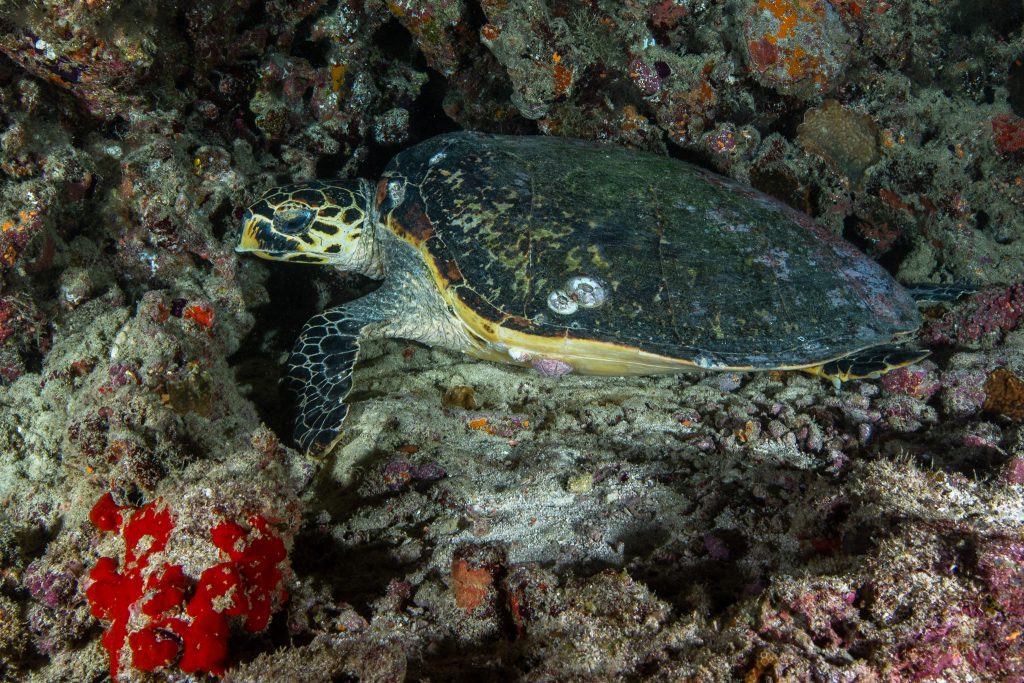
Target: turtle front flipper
x=319 y=377
x=867 y=363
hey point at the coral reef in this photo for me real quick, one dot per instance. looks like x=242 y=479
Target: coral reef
x=481 y=522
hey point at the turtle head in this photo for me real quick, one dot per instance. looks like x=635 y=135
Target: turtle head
x=313 y=222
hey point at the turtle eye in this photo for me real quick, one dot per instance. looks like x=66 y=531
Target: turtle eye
x=292 y=220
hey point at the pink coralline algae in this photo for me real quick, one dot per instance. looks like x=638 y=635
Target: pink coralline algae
x=1008 y=133
x=999 y=610
x=822 y=612
x=53 y=589
x=990 y=313
x=400 y=472
x=157 y=614
x=1013 y=472
x=8 y=318
x=963 y=391
x=916 y=382
x=645 y=77
x=102 y=68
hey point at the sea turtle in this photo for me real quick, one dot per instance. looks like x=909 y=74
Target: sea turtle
x=572 y=255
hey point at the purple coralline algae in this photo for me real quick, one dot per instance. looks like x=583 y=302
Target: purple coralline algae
x=984 y=319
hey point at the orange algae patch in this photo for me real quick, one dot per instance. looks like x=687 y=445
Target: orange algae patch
x=19 y=231
x=470 y=585
x=1004 y=394
x=799 y=47
x=785 y=11
x=562 y=75
x=201 y=315
x=337 y=72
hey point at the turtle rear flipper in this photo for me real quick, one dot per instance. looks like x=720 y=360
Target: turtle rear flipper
x=868 y=363
x=937 y=294
x=319 y=377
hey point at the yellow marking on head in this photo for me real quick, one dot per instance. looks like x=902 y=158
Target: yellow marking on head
x=310 y=223
x=247 y=240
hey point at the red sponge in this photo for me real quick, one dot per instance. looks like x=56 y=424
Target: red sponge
x=183 y=617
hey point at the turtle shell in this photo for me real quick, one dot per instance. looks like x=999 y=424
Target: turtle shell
x=682 y=264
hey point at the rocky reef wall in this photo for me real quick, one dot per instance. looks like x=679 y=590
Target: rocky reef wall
x=482 y=522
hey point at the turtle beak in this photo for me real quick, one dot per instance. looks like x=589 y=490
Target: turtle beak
x=252 y=238
x=258 y=237
x=247 y=235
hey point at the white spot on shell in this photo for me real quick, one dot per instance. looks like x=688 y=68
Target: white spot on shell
x=562 y=303
x=519 y=355
x=396 y=192
x=437 y=158
x=705 y=361
x=586 y=291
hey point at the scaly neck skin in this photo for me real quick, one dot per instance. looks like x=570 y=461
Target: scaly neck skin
x=408 y=304
x=367 y=258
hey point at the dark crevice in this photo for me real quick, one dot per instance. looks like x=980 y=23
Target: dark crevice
x=292 y=295
x=475 y=19
x=394 y=42
x=981 y=220
x=254 y=16
x=314 y=52
x=1015 y=86
x=220 y=219
x=890 y=258
x=427 y=119
x=7 y=68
